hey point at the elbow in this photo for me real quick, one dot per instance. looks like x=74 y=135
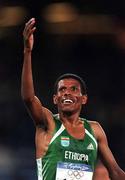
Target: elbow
x=26 y=99
x=26 y=96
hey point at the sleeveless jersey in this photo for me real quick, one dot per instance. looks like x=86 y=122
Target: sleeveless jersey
x=68 y=158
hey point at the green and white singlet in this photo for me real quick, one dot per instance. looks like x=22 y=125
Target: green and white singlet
x=68 y=158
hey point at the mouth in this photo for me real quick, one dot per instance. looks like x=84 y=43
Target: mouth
x=67 y=101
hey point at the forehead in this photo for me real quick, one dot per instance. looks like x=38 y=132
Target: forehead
x=68 y=82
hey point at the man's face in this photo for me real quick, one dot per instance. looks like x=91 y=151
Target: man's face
x=69 y=97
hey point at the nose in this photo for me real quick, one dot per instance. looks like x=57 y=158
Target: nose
x=67 y=91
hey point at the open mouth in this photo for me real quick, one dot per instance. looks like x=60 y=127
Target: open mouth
x=67 y=101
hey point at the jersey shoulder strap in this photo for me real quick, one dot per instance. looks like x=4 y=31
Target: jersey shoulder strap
x=88 y=126
x=57 y=121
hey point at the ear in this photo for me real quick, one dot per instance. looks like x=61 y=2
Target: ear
x=54 y=99
x=84 y=99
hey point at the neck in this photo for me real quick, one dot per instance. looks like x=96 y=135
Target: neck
x=69 y=118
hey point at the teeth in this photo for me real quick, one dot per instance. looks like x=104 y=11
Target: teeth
x=66 y=101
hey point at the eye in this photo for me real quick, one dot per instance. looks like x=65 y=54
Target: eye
x=74 y=88
x=62 y=89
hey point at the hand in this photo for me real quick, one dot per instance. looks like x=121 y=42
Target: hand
x=28 y=34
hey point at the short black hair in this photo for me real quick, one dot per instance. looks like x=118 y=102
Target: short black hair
x=73 y=76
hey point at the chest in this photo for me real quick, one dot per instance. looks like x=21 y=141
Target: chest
x=77 y=132
x=74 y=141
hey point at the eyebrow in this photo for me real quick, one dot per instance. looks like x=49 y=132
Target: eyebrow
x=61 y=87
x=64 y=87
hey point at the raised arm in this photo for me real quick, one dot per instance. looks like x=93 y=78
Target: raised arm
x=40 y=115
x=115 y=172
x=27 y=89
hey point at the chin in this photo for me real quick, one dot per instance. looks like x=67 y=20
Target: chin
x=68 y=113
x=67 y=110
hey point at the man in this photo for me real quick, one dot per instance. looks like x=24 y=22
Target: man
x=66 y=144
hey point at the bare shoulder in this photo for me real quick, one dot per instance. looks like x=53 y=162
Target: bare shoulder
x=94 y=124
x=97 y=128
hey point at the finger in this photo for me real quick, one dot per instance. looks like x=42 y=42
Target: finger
x=30 y=21
x=28 y=33
x=29 y=25
x=31 y=32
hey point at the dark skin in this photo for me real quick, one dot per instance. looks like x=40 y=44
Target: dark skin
x=69 y=101
x=101 y=172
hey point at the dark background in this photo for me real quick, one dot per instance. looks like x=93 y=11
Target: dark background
x=93 y=49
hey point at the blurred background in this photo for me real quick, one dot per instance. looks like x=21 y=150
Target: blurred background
x=83 y=37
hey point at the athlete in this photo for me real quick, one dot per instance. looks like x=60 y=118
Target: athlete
x=67 y=146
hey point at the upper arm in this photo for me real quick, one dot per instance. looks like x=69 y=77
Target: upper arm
x=104 y=150
x=40 y=114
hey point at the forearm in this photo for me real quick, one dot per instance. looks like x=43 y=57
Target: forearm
x=27 y=88
x=118 y=174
